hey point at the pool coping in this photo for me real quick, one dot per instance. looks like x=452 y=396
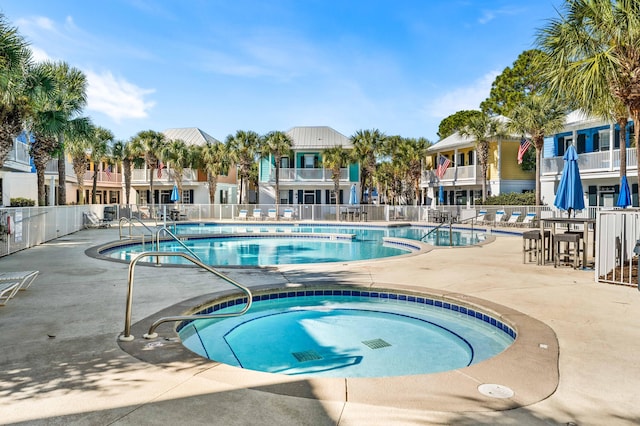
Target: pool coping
x=413 y=247
x=529 y=366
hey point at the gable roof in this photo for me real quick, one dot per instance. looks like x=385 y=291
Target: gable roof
x=190 y=135
x=317 y=137
x=455 y=140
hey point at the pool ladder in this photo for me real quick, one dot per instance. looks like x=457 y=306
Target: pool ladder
x=151 y=334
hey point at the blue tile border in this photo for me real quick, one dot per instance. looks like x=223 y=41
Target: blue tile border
x=395 y=296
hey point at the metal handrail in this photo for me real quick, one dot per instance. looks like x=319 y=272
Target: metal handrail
x=172 y=235
x=130 y=222
x=126 y=336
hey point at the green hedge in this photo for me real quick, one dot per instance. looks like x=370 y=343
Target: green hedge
x=22 y=202
x=510 y=199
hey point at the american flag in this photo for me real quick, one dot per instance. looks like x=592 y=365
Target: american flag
x=443 y=165
x=108 y=172
x=525 y=144
x=160 y=167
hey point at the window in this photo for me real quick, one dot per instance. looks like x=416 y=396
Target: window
x=603 y=137
x=309 y=161
x=470 y=158
x=461 y=159
x=581 y=145
x=284 y=163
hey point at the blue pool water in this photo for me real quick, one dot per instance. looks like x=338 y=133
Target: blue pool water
x=342 y=336
x=263 y=250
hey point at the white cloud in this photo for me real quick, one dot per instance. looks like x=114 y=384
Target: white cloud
x=39 y=55
x=116 y=97
x=462 y=98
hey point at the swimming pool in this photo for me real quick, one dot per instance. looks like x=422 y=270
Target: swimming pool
x=348 y=333
x=280 y=244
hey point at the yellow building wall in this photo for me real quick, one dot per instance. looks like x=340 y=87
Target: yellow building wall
x=511 y=170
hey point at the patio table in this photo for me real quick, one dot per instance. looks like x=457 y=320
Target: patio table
x=568 y=221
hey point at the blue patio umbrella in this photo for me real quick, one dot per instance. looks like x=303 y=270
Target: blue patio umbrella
x=570 y=195
x=353 y=196
x=174 y=194
x=441 y=195
x=624 y=199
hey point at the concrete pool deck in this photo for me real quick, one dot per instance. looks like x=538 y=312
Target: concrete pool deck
x=60 y=361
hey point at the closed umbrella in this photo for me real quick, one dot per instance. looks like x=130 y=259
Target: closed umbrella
x=624 y=199
x=441 y=195
x=174 y=194
x=570 y=195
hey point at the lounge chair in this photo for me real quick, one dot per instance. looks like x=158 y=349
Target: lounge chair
x=499 y=217
x=288 y=214
x=24 y=278
x=482 y=216
x=8 y=289
x=272 y=214
x=91 y=220
x=529 y=220
x=256 y=215
x=242 y=215
x=513 y=219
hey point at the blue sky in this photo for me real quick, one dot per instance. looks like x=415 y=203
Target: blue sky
x=399 y=66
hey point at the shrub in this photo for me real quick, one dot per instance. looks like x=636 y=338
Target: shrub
x=510 y=199
x=22 y=202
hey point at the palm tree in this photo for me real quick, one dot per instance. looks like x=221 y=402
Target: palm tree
x=482 y=128
x=20 y=83
x=592 y=57
x=243 y=148
x=122 y=152
x=99 y=150
x=179 y=156
x=148 y=144
x=367 y=145
x=276 y=144
x=78 y=149
x=213 y=158
x=69 y=99
x=334 y=159
x=537 y=116
x=409 y=156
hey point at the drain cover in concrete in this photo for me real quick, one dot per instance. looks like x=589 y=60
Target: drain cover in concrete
x=306 y=356
x=376 y=343
x=495 y=391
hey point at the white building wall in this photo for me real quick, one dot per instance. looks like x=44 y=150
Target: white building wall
x=18 y=185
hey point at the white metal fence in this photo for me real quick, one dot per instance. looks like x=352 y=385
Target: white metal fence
x=616 y=235
x=618 y=232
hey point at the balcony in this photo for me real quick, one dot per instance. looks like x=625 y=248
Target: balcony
x=463 y=175
x=104 y=179
x=592 y=162
x=141 y=176
x=307 y=175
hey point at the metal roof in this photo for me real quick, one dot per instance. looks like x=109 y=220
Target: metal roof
x=190 y=135
x=317 y=137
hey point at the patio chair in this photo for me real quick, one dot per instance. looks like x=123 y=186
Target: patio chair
x=256 y=214
x=91 y=220
x=288 y=214
x=272 y=214
x=482 y=216
x=529 y=220
x=24 y=278
x=242 y=215
x=500 y=215
x=513 y=219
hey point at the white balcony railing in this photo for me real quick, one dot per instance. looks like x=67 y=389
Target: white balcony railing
x=306 y=175
x=103 y=178
x=142 y=175
x=469 y=175
x=604 y=161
